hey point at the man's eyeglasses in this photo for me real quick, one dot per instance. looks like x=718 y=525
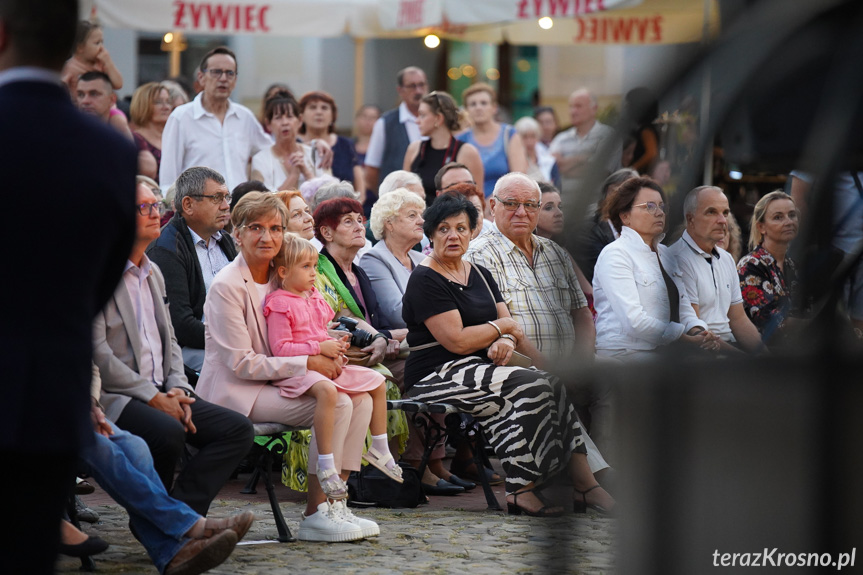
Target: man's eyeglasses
x=147 y=209
x=415 y=86
x=510 y=206
x=258 y=230
x=217 y=73
x=217 y=199
x=651 y=207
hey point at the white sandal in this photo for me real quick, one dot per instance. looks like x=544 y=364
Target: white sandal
x=379 y=460
x=332 y=485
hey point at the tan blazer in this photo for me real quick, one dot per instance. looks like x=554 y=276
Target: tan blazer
x=237 y=361
x=117 y=348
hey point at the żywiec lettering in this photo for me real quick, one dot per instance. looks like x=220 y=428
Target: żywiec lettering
x=216 y=16
x=539 y=8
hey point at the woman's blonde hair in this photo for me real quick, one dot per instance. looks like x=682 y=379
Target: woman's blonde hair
x=389 y=205
x=755 y=237
x=294 y=249
x=143 y=102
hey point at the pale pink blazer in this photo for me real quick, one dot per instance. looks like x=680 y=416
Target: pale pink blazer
x=237 y=361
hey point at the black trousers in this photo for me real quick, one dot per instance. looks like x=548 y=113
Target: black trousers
x=222 y=439
x=36 y=489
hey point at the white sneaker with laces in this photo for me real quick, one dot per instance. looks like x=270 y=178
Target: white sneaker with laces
x=369 y=527
x=329 y=525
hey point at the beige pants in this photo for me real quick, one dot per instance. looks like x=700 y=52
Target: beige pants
x=352 y=417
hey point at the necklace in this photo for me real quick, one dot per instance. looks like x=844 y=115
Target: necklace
x=461 y=284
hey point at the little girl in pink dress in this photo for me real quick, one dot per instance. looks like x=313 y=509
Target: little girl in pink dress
x=297 y=318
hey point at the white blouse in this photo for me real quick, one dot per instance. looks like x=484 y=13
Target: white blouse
x=631 y=299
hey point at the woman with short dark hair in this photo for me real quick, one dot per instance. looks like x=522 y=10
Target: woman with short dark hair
x=287 y=163
x=637 y=288
x=462 y=337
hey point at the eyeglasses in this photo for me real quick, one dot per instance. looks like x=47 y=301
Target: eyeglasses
x=258 y=230
x=162 y=102
x=147 y=209
x=217 y=199
x=510 y=206
x=415 y=86
x=651 y=207
x=217 y=73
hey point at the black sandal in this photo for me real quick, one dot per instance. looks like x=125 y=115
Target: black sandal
x=581 y=506
x=514 y=508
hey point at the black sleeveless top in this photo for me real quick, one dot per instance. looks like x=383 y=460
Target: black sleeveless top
x=430 y=160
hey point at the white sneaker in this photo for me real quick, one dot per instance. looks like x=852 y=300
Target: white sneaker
x=369 y=527
x=328 y=525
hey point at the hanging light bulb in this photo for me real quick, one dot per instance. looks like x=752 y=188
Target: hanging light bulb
x=432 y=41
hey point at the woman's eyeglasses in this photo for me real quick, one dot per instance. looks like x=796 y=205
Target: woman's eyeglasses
x=651 y=207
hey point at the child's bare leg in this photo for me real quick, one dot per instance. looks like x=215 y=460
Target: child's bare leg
x=378 y=423
x=326 y=394
x=378 y=427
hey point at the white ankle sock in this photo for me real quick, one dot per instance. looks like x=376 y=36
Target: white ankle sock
x=380 y=443
x=326 y=461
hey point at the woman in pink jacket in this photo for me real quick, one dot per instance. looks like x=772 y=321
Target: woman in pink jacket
x=239 y=369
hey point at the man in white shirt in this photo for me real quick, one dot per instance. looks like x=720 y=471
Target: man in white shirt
x=211 y=130
x=396 y=128
x=575 y=148
x=709 y=272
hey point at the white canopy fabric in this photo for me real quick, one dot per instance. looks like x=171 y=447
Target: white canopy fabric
x=494 y=21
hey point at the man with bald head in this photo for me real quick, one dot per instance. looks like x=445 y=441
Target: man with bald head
x=537 y=280
x=396 y=128
x=575 y=148
x=709 y=272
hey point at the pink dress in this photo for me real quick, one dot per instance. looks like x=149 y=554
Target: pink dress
x=295 y=326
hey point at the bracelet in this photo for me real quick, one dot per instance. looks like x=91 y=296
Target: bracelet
x=494 y=325
x=379 y=335
x=508 y=336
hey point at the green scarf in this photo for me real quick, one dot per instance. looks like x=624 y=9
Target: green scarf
x=328 y=271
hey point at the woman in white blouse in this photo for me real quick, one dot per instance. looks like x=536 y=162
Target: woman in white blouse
x=288 y=163
x=638 y=294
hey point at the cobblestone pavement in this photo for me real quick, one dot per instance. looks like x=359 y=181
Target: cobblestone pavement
x=449 y=535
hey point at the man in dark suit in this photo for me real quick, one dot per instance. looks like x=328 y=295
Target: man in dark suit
x=64 y=256
x=144 y=388
x=191 y=250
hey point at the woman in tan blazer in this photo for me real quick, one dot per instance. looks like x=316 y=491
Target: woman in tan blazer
x=239 y=369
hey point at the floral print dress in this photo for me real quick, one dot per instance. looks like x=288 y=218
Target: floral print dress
x=767 y=291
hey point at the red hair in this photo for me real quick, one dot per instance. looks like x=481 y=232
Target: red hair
x=329 y=212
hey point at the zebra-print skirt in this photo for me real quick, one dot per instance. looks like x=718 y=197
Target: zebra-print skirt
x=524 y=413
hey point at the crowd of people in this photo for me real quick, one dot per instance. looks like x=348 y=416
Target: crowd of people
x=437 y=234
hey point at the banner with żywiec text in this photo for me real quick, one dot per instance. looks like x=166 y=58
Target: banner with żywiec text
x=515 y=21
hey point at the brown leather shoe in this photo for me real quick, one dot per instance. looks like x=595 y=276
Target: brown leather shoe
x=239 y=524
x=199 y=555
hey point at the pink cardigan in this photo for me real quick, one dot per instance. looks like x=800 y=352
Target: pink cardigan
x=237 y=359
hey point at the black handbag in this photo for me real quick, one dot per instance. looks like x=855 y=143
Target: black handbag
x=369 y=487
